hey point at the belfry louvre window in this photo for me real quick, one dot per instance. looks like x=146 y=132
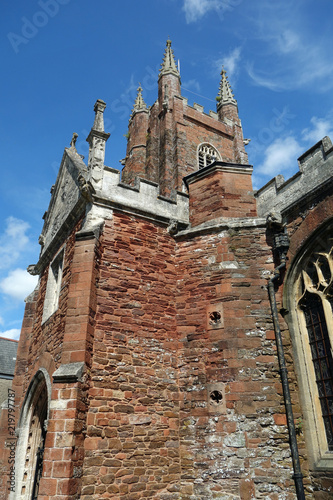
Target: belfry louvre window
x=207 y=154
x=315 y=304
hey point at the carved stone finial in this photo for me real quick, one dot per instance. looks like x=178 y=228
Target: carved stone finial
x=225 y=95
x=169 y=64
x=99 y=109
x=139 y=104
x=74 y=139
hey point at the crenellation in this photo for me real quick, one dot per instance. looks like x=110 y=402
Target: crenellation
x=145 y=197
x=314 y=175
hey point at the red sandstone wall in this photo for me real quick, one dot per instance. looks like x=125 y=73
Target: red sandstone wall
x=132 y=441
x=41 y=345
x=240 y=446
x=43 y=342
x=221 y=194
x=136 y=148
x=153 y=430
x=173 y=136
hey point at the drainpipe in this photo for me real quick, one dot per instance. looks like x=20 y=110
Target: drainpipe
x=281 y=244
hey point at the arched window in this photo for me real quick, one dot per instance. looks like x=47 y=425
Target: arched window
x=207 y=154
x=32 y=432
x=310 y=296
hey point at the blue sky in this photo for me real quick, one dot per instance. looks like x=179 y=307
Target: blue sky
x=59 y=56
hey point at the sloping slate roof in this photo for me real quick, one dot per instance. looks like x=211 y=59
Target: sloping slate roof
x=8 y=349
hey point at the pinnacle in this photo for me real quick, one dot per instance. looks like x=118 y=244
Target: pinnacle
x=99 y=109
x=139 y=103
x=169 y=65
x=225 y=95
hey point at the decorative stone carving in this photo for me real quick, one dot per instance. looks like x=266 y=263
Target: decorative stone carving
x=74 y=139
x=274 y=219
x=86 y=188
x=173 y=227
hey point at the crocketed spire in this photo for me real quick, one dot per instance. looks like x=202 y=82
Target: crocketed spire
x=169 y=65
x=139 y=104
x=225 y=95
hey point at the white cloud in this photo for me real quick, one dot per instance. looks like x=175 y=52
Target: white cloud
x=280 y=156
x=14 y=333
x=320 y=128
x=196 y=9
x=230 y=62
x=18 y=284
x=288 y=41
x=13 y=241
x=289 y=54
x=262 y=79
x=304 y=68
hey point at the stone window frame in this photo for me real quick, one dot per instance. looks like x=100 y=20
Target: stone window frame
x=321 y=241
x=53 y=286
x=206 y=151
x=40 y=381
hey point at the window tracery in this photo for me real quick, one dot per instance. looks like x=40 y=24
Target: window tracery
x=207 y=154
x=315 y=303
x=308 y=302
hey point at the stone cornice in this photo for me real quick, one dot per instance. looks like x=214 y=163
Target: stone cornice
x=218 y=166
x=223 y=223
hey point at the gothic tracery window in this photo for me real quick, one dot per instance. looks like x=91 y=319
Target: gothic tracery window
x=315 y=292
x=207 y=154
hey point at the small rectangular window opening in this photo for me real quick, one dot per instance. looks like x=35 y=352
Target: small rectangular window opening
x=53 y=286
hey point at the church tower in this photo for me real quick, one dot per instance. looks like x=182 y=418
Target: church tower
x=172 y=139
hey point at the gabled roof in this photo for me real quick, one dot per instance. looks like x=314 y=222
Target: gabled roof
x=8 y=350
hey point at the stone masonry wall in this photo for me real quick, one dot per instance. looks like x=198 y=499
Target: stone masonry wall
x=221 y=194
x=173 y=137
x=132 y=441
x=185 y=398
x=40 y=344
x=235 y=447
x=44 y=341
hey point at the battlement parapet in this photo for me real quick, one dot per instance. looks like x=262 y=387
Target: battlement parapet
x=315 y=172
x=143 y=198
